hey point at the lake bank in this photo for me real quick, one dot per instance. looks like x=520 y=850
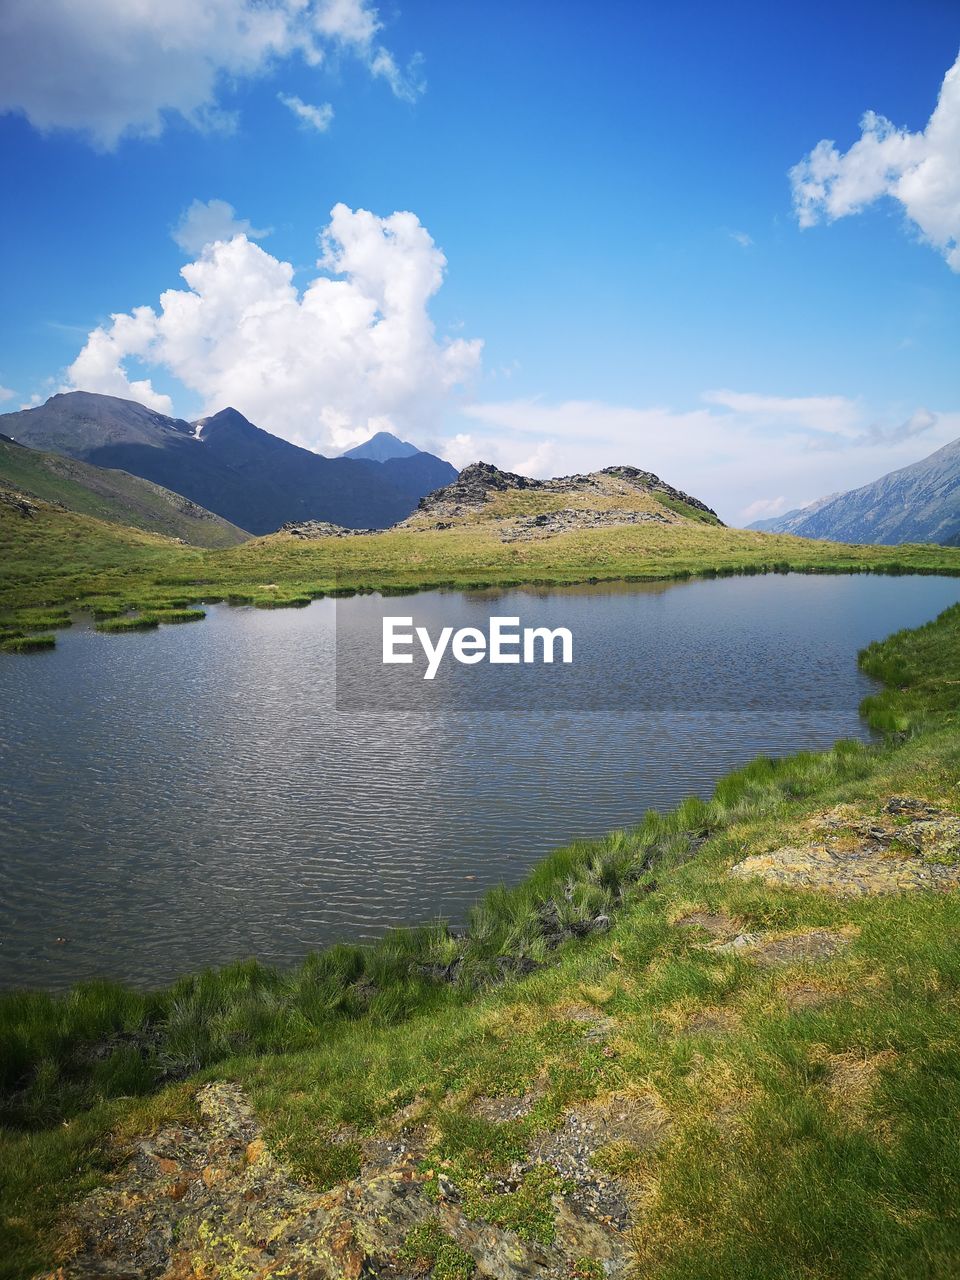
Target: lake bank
x=59 y=561
x=829 y=1077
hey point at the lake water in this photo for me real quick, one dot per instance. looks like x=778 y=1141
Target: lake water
x=181 y=798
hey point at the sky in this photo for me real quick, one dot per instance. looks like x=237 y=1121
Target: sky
x=719 y=242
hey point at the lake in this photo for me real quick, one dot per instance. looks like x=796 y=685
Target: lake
x=258 y=784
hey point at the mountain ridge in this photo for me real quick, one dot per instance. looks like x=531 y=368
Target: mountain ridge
x=916 y=503
x=227 y=464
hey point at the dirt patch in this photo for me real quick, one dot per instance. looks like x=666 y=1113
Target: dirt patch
x=851 y=1078
x=594 y=1024
x=710 y=1022
x=503 y=1109
x=714 y=923
x=768 y=950
x=624 y=1120
x=807 y=995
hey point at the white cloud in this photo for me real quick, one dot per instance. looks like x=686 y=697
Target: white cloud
x=355 y=351
x=742 y=239
x=725 y=453
x=835 y=415
x=763 y=509
x=111 y=68
x=6 y=394
x=204 y=222
x=313 y=117
x=920 y=170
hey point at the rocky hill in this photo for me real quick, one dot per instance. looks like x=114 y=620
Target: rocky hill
x=527 y=507
x=919 y=503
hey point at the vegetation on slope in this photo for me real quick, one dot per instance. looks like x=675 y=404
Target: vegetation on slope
x=813 y=1107
x=114 y=496
x=54 y=558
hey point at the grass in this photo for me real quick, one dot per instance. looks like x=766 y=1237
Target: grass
x=142 y=622
x=814 y=1140
x=27 y=644
x=57 y=561
x=110 y=495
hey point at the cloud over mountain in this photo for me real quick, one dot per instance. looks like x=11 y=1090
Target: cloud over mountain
x=353 y=352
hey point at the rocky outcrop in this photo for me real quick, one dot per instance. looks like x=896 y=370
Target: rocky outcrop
x=910 y=845
x=476 y=484
x=547 y=524
x=209 y=1200
x=312 y=529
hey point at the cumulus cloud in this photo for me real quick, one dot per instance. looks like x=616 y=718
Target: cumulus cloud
x=313 y=117
x=726 y=452
x=206 y=221
x=111 y=68
x=6 y=394
x=354 y=352
x=920 y=170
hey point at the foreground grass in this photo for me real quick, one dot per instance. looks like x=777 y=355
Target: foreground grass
x=812 y=1139
x=59 y=560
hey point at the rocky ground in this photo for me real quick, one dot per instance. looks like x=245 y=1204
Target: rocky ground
x=479 y=484
x=909 y=846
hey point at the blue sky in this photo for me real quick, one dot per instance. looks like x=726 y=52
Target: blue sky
x=609 y=188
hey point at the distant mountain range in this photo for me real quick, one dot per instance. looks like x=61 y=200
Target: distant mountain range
x=224 y=463
x=111 y=495
x=919 y=503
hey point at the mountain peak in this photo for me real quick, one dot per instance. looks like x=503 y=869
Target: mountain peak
x=382 y=447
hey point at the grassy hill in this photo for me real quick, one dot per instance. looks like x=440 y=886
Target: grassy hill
x=114 y=496
x=56 y=559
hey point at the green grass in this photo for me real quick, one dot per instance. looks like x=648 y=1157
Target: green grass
x=768 y=1171
x=142 y=622
x=113 y=496
x=57 y=560
x=27 y=644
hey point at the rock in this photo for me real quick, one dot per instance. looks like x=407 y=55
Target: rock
x=909 y=846
x=209 y=1199
x=310 y=529
x=481 y=481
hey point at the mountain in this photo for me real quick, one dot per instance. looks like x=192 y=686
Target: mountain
x=790 y=519
x=382 y=447
x=918 y=503
x=112 y=495
x=225 y=463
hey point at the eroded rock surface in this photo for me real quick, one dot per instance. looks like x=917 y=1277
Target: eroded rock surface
x=208 y=1201
x=910 y=845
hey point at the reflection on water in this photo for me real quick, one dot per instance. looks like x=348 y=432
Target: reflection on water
x=181 y=798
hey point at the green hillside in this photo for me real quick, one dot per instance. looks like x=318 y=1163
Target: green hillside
x=110 y=495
